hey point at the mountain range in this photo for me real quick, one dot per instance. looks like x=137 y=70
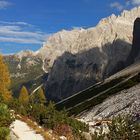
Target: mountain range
x=71 y=61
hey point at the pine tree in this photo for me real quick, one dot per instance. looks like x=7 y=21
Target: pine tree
x=4 y=81
x=24 y=96
x=39 y=97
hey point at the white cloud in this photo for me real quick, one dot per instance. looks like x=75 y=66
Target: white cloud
x=16 y=32
x=117 y=5
x=4 y=4
x=20 y=40
x=125 y=5
x=15 y=23
x=136 y=2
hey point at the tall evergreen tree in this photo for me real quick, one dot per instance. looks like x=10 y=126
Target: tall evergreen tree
x=24 y=96
x=39 y=96
x=4 y=81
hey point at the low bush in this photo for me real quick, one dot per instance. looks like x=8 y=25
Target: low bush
x=4 y=133
x=5 y=121
x=5 y=116
x=121 y=128
x=18 y=107
x=49 y=117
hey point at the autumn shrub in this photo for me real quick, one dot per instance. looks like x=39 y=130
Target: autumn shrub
x=62 y=129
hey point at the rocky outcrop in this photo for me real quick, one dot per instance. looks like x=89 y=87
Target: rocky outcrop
x=135 y=52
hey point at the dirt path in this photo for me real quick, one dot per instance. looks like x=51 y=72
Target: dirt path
x=23 y=132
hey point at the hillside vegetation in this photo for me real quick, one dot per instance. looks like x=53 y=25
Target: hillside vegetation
x=5 y=96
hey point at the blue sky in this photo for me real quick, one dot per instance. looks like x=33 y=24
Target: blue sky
x=26 y=24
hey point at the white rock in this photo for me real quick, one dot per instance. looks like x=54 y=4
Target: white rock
x=23 y=132
x=63 y=138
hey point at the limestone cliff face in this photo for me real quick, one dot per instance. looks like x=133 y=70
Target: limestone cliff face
x=107 y=31
x=74 y=72
x=92 y=54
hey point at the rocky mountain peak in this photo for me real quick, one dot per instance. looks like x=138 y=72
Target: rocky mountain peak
x=94 y=54
x=127 y=16
x=27 y=53
x=78 y=40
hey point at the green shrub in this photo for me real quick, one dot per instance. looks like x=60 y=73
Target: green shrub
x=124 y=128
x=51 y=118
x=48 y=116
x=18 y=107
x=121 y=128
x=35 y=110
x=4 y=133
x=5 y=121
x=5 y=117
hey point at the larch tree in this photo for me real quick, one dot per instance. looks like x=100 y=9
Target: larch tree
x=39 y=96
x=24 y=96
x=5 y=81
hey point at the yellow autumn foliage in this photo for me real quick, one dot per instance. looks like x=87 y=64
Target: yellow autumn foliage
x=5 y=81
x=24 y=96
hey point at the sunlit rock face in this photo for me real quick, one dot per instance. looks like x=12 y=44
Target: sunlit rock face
x=107 y=31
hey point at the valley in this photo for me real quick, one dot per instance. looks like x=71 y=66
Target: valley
x=82 y=84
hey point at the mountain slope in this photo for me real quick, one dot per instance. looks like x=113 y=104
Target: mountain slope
x=126 y=102
x=24 y=67
x=97 y=93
